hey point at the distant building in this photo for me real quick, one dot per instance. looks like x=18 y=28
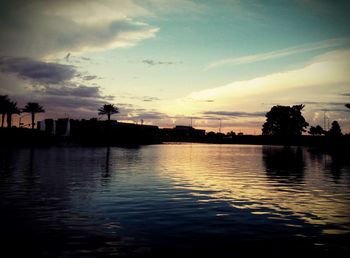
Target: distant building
x=60 y=127
x=182 y=131
x=93 y=129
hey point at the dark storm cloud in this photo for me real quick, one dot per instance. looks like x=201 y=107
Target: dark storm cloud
x=37 y=71
x=54 y=86
x=78 y=91
x=59 y=106
x=77 y=101
x=61 y=31
x=39 y=28
x=71 y=103
x=235 y=114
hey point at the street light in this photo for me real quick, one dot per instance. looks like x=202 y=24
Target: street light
x=20 y=118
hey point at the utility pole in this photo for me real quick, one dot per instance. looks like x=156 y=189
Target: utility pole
x=220 y=125
x=328 y=123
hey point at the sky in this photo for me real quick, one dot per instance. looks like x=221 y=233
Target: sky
x=223 y=62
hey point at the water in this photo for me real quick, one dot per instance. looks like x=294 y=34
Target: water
x=173 y=199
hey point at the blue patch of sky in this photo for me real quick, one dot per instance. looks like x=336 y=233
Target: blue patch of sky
x=222 y=30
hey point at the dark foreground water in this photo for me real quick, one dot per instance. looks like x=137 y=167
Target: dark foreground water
x=173 y=199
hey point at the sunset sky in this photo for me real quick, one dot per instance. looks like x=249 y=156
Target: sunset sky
x=167 y=61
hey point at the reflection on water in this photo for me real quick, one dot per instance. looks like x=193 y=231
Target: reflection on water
x=108 y=154
x=284 y=164
x=174 y=198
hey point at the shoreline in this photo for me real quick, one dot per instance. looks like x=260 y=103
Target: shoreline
x=22 y=137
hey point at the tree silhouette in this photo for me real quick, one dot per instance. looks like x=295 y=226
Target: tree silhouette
x=231 y=134
x=335 y=129
x=33 y=108
x=4 y=103
x=108 y=109
x=284 y=121
x=11 y=109
x=318 y=130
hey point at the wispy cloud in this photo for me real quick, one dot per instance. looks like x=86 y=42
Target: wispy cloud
x=332 y=43
x=140 y=98
x=235 y=114
x=155 y=62
x=149 y=99
x=89 y=77
x=321 y=84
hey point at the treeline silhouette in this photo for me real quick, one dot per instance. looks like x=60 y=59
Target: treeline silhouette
x=8 y=108
x=285 y=125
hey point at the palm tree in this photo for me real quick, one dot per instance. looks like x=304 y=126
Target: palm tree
x=33 y=108
x=108 y=109
x=11 y=109
x=4 y=102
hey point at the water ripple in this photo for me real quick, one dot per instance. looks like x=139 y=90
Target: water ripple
x=179 y=197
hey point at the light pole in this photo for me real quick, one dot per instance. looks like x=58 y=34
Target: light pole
x=20 y=119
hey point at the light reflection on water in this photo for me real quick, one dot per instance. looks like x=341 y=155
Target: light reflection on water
x=164 y=198
x=291 y=183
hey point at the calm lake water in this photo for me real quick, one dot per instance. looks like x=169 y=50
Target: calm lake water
x=173 y=199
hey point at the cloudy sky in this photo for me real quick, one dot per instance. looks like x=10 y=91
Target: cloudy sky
x=167 y=61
